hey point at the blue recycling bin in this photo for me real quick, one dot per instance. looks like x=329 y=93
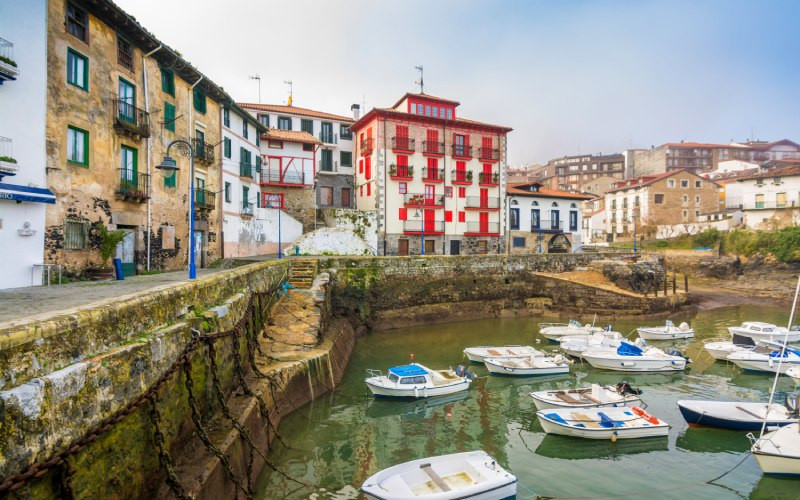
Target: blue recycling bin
x=118 y=273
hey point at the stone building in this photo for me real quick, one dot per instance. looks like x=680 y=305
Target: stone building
x=116 y=98
x=570 y=173
x=432 y=176
x=642 y=204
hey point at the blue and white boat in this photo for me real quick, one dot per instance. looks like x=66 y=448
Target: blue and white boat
x=739 y=416
x=417 y=381
x=602 y=423
x=630 y=357
x=531 y=366
x=765 y=356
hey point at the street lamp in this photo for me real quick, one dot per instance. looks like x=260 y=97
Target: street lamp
x=633 y=220
x=422 y=225
x=168 y=165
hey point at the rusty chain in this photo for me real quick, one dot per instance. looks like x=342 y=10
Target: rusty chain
x=67 y=471
x=164 y=457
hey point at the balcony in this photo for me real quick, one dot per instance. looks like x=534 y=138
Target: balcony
x=489 y=154
x=423 y=227
x=247 y=169
x=401 y=172
x=400 y=143
x=420 y=200
x=270 y=177
x=130 y=120
x=8 y=66
x=462 y=151
x=433 y=148
x=769 y=205
x=367 y=146
x=482 y=229
x=205 y=199
x=8 y=164
x=133 y=186
x=488 y=178
x=463 y=177
x=246 y=210
x=482 y=203
x=433 y=174
x=547 y=226
x=328 y=138
x=203 y=151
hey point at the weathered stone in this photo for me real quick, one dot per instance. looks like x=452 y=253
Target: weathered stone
x=26 y=398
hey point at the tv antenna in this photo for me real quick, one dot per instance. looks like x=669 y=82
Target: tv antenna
x=257 y=77
x=421 y=82
x=289 y=83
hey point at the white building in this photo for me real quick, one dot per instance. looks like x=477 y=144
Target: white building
x=771 y=200
x=543 y=220
x=594 y=221
x=23 y=192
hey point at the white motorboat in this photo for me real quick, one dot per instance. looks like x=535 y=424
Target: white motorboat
x=416 y=381
x=595 y=396
x=778 y=452
x=667 y=332
x=532 y=366
x=766 y=331
x=473 y=475
x=720 y=349
x=794 y=372
x=765 y=356
x=602 y=423
x=554 y=331
x=575 y=345
x=629 y=357
x=478 y=354
x=735 y=415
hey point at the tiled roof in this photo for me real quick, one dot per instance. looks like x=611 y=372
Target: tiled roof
x=726 y=177
x=410 y=116
x=787 y=171
x=761 y=146
x=276 y=134
x=696 y=145
x=294 y=110
x=647 y=180
x=423 y=95
x=516 y=189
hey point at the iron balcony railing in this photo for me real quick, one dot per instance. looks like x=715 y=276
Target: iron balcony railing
x=547 y=225
x=432 y=174
x=203 y=151
x=433 y=147
x=489 y=153
x=491 y=202
x=247 y=169
x=402 y=143
x=247 y=209
x=205 y=199
x=429 y=226
x=462 y=150
x=483 y=227
x=328 y=137
x=404 y=171
x=463 y=176
x=8 y=66
x=128 y=119
x=274 y=177
x=132 y=185
x=488 y=178
x=366 y=146
x=421 y=199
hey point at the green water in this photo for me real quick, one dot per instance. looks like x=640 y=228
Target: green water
x=343 y=437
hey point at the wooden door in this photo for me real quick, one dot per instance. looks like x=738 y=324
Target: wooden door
x=402 y=247
x=430 y=247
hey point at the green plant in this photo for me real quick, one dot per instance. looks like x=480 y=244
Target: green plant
x=8 y=61
x=662 y=243
x=8 y=159
x=707 y=238
x=110 y=241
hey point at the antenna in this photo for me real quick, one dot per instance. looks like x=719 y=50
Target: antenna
x=257 y=77
x=289 y=83
x=421 y=82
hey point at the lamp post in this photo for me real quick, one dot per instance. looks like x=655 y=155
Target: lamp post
x=280 y=255
x=168 y=164
x=422 y=226
x=633 y=219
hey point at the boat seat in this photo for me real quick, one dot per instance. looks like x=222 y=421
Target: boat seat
x=434 y=477
x=749 y=412
x=567 y=399
x=592 y=399
x=585 y=420
x=494 y=353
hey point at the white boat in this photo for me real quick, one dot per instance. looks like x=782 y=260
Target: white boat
x=630 y=357
x=794 y=372
x=531 y=366
x=667 y=332
x=765 y=331
x=595 y=396
x=765 y=356
x=720 y=349
x=416 y=381
x=575 y=345
x=478 y=354
x=778 y=452
x=603 y=423
x=473 y=475
x=735 y=415
x=554 y=331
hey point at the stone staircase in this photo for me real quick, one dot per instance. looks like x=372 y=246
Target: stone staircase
x=302 y=272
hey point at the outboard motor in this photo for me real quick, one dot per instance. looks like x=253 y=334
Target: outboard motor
x=609 y=328
x=792 y=405
x=675 y=352
x=625 y=388
x=462 y=371
x=639 y=342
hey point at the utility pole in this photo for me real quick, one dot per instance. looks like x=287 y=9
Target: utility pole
x=289 y=83
x=257 y=77
x=420 y=82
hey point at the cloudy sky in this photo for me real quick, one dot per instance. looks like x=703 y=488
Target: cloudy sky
x=569 y=76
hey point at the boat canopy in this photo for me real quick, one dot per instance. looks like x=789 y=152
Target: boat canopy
x=743 y=340
x=574 y=323
x=408 y=370
x=628 y=349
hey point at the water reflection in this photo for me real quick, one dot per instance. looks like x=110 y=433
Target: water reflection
x=422 y=408
x=568 y=448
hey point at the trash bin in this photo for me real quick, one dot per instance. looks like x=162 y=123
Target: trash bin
x=297 y=251
x=118 y=273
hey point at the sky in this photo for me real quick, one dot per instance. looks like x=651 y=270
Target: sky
x=569 y=76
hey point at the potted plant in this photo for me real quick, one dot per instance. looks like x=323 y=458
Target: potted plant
x=108 y=244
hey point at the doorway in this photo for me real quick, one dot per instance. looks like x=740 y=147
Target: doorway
x=455 y=247
x=402 y=247
x=126 y=250
x=430 y=247
x=199 y=244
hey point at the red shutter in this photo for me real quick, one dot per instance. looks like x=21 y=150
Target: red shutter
x=486 y=142
x=361 y=166
x=461 y=166
x=462 y=216
x=369 y=189
x=368 y=168
x=361 y=190
x=403 y=215
x=432 y=135
x=487 y=169
x=402 y=161
x=401 y=131
x=484 y=222
x=448 y=216
x=462 y=192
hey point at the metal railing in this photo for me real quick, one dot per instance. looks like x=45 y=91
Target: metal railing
x=403 y=143
x=488 y=177
x=7 y=62
x=491 y=202
x=366 y=146
x=247 y=209
x=432 y=174
x=274 y=177
x=6 y=147
x=124 y=58
x=433 y=147
x=203 y=151
x=421 y=199
x=489 y=153
x=483 y=227
x=133 y=186
x=247 y=169
x=130 y=119
x=462 y=150
x=464 y=176
x=205 y=199
x=328 y=137
x=404 y=171
x=430 y=226
x=547 y=225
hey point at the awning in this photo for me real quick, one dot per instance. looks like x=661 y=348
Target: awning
x=26 y=193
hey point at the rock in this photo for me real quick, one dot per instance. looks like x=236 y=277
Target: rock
x=641 y=277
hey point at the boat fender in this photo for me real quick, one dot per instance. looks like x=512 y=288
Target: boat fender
x=792 y=404
x=645 y=415
x=559 y=359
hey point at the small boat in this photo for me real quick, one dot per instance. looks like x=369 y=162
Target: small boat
x=794 y=372
x=575 y=345
x=720 y=349
x=473 y=475
x=778 y=452
x=667 y=332
x=735 y=415
x=766 y=331
x=554 y=331
x=417 y=381
x=630 y=357
x=478 y=354
x=595 y=396
x=603 y=423
x=532 y=366
x=765 y=356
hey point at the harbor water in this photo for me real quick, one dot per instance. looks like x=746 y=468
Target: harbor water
x=343 y=437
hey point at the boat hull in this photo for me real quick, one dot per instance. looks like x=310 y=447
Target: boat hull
x=475 y=356
x=634 y=363
x=754 y=365
x=694 y=416
x=545 y=404
x=660 y=334
x=551 y=427
x=777 y=465
x=495 y=369
x=386 y=391
x=773 y=337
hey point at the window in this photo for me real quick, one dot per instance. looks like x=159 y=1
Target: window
x=780 y=200
x=345 y=197
x=279 y=145
x=326 y=196
x=697 y=199
x=305 y=126
x=345 y=158
x=428 y=110
x=264 y=119
x=77 y=22
x=245 y=196
x=685 y=215
x=696 y=214
x=448 y=191
x=128 y=161
x=514 y=220
x=449 y=114
x=284 y=123
x=776 y=181
x=273 y=200
x=226 y=147
x=258 y=162
x=698 y=184
x=77 y=69
x=326 y=161
x=535 y=220
x=685 y=198
x=684 y=183
x=658 y=199
x=77 y=146
x=244 y=128
x=169 y=116
x=76 y=234
x=326 y=133
x=671 y=183
x=361 y=166
x=124 y=53
x=168 y=81
x=308 y=147
x=369 y=189
x=573 y=220
x=345 y=132
x=368 y=167
x=518 y=242
x=227 y=192
x=199 y=98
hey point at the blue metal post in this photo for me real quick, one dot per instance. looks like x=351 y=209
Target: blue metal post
x=280 y=255
x=192 y=267
x=423 y=234
x=634 y=235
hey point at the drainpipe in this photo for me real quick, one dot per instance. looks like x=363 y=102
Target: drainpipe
x=191 y=173
x=149 y=149
x=385 y=184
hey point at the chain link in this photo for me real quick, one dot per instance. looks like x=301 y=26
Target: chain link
x=164 y=458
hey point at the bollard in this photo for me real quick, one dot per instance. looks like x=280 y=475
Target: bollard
x=673 y=282
x=685 y=282
x=666 y=282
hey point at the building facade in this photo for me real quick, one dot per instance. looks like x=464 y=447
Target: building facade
x=544 y=220
x=594 y=221
x=116 y=98
x=433 y=177
x=771 y=200
x=570 y=173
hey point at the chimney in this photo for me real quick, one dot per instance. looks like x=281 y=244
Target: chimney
x=356 y=109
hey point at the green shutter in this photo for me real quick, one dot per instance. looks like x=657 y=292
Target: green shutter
x=199 y=100
x=168 y=81
x=169 y=116
x=258 y=163
x=227 y=147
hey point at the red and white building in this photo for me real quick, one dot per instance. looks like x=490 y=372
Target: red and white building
x=431 y=176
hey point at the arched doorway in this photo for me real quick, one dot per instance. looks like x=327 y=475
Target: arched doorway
x=559 y=244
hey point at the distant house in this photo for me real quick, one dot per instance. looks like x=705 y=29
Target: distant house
x=593 y=227
x=771 y=200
